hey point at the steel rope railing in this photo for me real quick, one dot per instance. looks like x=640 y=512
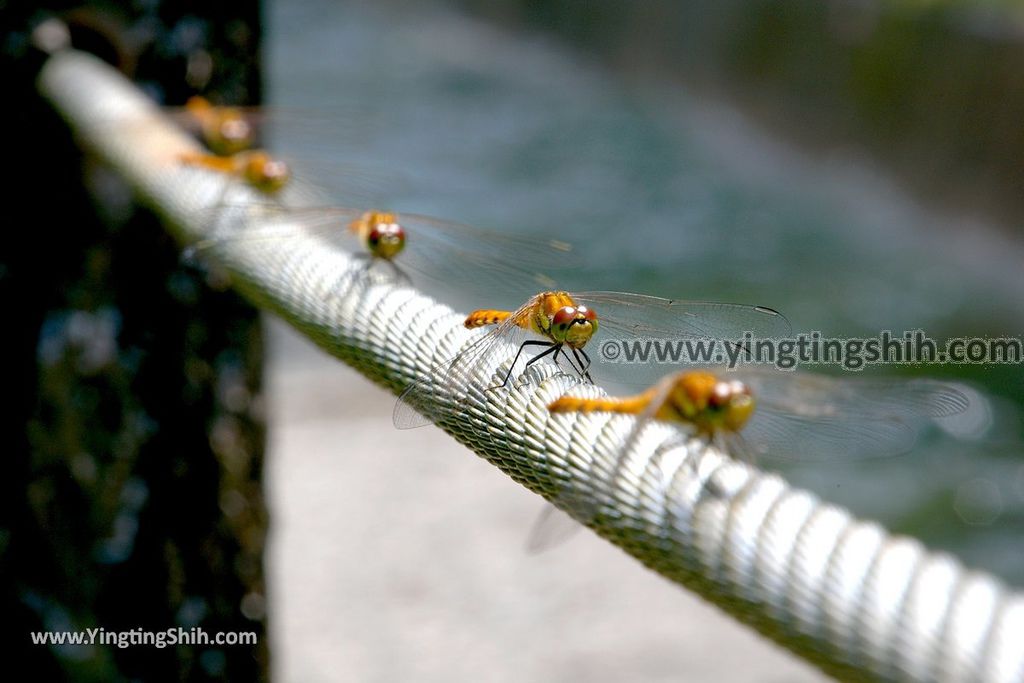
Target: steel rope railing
x=842 y=593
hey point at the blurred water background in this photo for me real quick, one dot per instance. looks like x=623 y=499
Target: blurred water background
x=669 y=190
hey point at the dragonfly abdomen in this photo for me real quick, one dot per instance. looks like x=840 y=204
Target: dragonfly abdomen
x=632 y=405
x=485 y=317
x=210 y=161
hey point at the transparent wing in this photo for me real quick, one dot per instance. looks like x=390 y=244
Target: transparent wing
x=640 y=315
x=300 y=131
x=552 y=528
x=428 y=400
x=657 y=335
x=419 y=404
x=736 y=446
x=819 y=418
x=267 y=221
x=273 y=220
x=461 y=238
x=811 y=395
x=315 y=183
x=330 y=180
x=454 y=253
x=443 y=251
x=782 y=436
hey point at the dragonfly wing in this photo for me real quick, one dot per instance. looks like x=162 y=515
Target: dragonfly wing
x=812 y=395
x=814 y=417
x=327 y=180
x=462 y=238
x=427 y=400
x=416 y=406
x=651 y=336
x=485 y=361
x=269 y=221
x=738 y=447
x=640 y=315
x=299 y=130
x=782 y=436
x=456 y=253
x=552 y=528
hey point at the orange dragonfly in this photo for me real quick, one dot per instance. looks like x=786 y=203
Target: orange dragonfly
x=442 y=251
x=565 y=322
x=753 y=413
x=270 y=175
x=231 y=134
x=258 y=169
x=773 y=413
x=225 y=130
x=229 y=129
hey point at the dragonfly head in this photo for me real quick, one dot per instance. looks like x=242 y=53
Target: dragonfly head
x=229 y=132
x=730 y=405
x=712 y=404
x=226 y=130
x=385 y=236
x=573 y=326
x=265 y=173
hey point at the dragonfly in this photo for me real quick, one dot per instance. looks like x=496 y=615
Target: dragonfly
x=231 y=134
x=560 y=324
x=754 y=413
x=226 y=130
x=446 y=252
x=270 y=175
x=764 y=413
x=229 y=129
x=258 y=169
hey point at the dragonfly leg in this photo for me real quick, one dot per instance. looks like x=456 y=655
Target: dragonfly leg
x=584 y=369
x=530 y=342
x=223 y=194
x=563 y=354
x=555 y=349
x=400 y=275
x=577 y=367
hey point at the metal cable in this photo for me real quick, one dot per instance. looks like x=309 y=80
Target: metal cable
x=843 y=594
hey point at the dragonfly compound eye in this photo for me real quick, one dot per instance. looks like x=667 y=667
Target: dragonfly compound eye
x=573 y=325
x=733 y=402
x=385 y=240
x=589 y=317
x=563 y=317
